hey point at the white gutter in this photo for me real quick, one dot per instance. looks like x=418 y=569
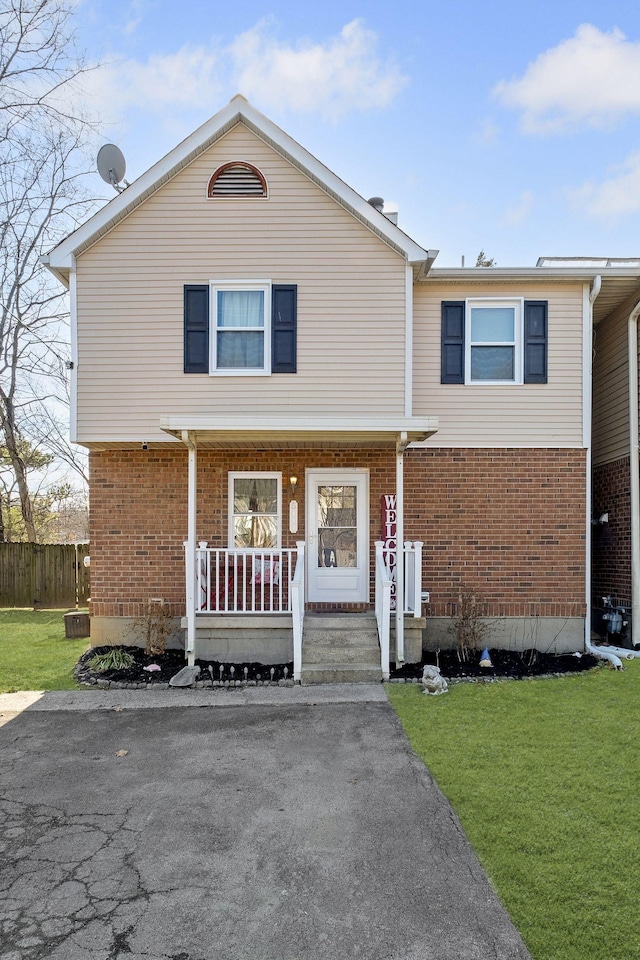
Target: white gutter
x=73 y=334
x=191 y=547
x=408 y=342
x=634 y=472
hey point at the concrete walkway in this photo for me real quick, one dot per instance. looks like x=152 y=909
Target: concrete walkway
x=135 y=827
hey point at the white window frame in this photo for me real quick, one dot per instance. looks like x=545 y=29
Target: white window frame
x=517 y=343
x=259 y=475
x=242 y=286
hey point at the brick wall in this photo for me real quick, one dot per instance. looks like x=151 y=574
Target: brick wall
x=611 y=573
x=509 y=523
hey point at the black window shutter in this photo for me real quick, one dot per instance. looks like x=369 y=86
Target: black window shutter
x=452 y=350
x=535 y=341
x=196 y=328
x=283 y=327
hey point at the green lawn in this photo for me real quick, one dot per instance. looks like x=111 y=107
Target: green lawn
x=544 y=776
x=34 y=654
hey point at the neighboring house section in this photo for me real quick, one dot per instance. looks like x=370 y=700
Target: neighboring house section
x=616 y=489
x=272 y=378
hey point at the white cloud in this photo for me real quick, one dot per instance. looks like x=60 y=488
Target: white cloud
x=329 y=79
x=615 y=198
x=592 y=79
x=188 y=78
x=518 y=212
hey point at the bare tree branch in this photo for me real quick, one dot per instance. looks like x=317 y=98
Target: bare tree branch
x=42 y=197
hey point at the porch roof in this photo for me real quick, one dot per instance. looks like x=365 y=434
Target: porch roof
x=278 y=432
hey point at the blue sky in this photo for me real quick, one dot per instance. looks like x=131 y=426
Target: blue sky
x=497 y=125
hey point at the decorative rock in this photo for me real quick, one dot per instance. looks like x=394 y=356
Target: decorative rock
x=433 y=682
x=185 y=677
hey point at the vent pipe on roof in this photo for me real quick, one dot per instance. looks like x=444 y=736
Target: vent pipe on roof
x=378 y=204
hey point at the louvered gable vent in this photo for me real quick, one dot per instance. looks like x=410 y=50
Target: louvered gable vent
x=237 y=180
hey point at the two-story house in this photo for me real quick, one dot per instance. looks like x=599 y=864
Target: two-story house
x=277 y=385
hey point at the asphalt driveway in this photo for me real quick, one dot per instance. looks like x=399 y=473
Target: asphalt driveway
x=251 y=831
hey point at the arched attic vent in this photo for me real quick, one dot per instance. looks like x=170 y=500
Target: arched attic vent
x=237 y=179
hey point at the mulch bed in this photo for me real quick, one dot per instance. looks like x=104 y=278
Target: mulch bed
x=212 y=672
x=505 y=664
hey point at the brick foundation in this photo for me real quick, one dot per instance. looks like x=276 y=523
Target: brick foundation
x=611 y=548
x=507 y=523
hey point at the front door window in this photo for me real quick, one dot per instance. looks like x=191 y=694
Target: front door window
x=337 y=526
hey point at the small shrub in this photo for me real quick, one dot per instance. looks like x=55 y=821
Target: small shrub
x=115 y=659
x=469 y=624
x=156 y=626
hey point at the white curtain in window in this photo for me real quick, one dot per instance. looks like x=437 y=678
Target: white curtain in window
x=241 y=308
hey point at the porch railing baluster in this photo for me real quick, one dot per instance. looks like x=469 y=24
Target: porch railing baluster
x=244 y=581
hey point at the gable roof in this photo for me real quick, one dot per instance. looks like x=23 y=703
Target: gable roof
x=60 y=260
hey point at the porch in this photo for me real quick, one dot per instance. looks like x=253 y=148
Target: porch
x=255 y=600
x=265 y=571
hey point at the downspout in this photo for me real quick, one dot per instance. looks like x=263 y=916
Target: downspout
x=192 y=487
x=604 y=652
x=401 y=445
x=73 y=332
x=634 y=472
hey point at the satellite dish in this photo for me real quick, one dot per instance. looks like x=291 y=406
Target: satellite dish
x=111 y=165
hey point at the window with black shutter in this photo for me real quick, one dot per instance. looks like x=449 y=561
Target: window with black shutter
x=238 y=328
x=495 y=340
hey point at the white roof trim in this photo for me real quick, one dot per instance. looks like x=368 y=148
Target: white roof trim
x=499 y=274
x=232 y=425
x=238 y=109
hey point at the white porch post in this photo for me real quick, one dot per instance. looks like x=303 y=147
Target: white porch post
x=401 y=444
x=192 y=488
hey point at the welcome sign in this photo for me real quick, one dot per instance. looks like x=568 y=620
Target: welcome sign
x=388 y=537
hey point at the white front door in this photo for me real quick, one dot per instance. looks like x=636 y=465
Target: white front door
x=337 y=525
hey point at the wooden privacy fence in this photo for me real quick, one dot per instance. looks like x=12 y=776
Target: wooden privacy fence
x=43 y=575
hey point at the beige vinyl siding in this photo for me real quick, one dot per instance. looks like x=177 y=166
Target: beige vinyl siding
x=528 y=415
x=351 y=302
x=611 y=389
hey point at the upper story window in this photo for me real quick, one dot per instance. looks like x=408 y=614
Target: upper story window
x=242 y=324
x=237 y=179
x=240 y=327
x=494 y=341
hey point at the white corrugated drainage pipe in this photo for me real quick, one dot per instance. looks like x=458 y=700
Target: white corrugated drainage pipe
x=622 y=652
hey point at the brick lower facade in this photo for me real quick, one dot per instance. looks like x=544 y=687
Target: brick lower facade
x=611 y=551
x=507 y=523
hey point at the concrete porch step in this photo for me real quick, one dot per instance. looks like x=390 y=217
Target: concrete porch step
x=322 y=652
x=340 y=649
x=341 y=673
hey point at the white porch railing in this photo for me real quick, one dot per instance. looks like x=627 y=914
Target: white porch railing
x=384 y=584
x=413 y=577
x=243 y=581
x=385 y=578
x=297 y=609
